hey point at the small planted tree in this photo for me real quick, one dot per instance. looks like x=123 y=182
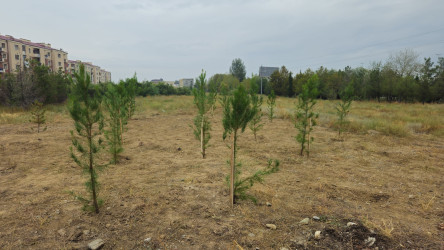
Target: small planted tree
x=84 y=108
x=305 y=115
x=238 y=112
x=130 y=86
x=117 y=118
x=271 y=102
x=256 y=123
x=38 y=115
x=343 y=107
x=204 y=103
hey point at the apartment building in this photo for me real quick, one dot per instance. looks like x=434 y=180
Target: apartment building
x=96 y=74
x=186 y=82
x=16 y=53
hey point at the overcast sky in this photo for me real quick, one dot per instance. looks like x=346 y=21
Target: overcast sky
x=173 y=39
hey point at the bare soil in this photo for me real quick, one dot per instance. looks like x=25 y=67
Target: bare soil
x=392 y=188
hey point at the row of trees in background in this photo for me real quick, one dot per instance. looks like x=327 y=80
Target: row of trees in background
x=33 y=83
x=402 y=78
x=37 y=83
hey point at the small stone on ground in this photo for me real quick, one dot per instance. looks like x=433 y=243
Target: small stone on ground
x=96 y=244
x=304 y=221
x=271 y=226
x=350 y=224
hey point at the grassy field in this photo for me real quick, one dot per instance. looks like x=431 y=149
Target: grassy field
x=386 y=176
x=398 y=119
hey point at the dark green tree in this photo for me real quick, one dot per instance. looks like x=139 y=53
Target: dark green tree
x=237 y=69
x=426 y=80
x=84 y=108
x=279 y=81
x=204 y=103
x=305 y=115
x=290 y=85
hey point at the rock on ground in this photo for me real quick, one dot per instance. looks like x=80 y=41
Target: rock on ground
x=96 y=244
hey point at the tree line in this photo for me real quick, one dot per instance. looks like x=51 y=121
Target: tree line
x=38 y=83
x=402 y=78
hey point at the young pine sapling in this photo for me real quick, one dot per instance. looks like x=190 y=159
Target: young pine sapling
x=117 y=112
x=237 y=113
x=84 y=108
x=38 y=115
x=305 y=115
x=271 y=102
x=256 y=123
x=204 y=103
x=130 y=86
x=343 y=107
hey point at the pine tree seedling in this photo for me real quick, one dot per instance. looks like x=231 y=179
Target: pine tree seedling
x=256 y=123
x=271 y=102
x=38 y=115
x=117 y=112
x=305 y=115
x=238 y=112
x=84 y=108
x=204 y=103
x=130 y=95
x=343 y=107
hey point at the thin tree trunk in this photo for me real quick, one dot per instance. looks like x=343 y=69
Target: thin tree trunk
x=93 y=181
x=233 y=164
x=202 y=137
x=308 y=145
x=121 y=127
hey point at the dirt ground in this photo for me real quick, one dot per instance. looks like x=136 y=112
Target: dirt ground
x=392 y=188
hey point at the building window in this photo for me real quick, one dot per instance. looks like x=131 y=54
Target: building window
x=17 y=67
x=3 y=45
x=60 y=64
x=24 y=48
x=4 y=55
x=16 y=47
x=59 y=56
x=17 y=57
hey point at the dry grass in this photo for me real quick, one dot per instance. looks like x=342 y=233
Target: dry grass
x=162 y=189
x=398 y=119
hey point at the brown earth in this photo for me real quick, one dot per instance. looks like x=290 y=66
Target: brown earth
x=391 y=187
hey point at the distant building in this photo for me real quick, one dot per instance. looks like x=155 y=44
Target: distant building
x=186 y=82
x=96 y=74
x=267 y=71
x=16 y=53
x=156 y=81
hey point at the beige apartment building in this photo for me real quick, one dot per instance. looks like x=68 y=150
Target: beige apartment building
x=96 y=74
x=16 y=53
